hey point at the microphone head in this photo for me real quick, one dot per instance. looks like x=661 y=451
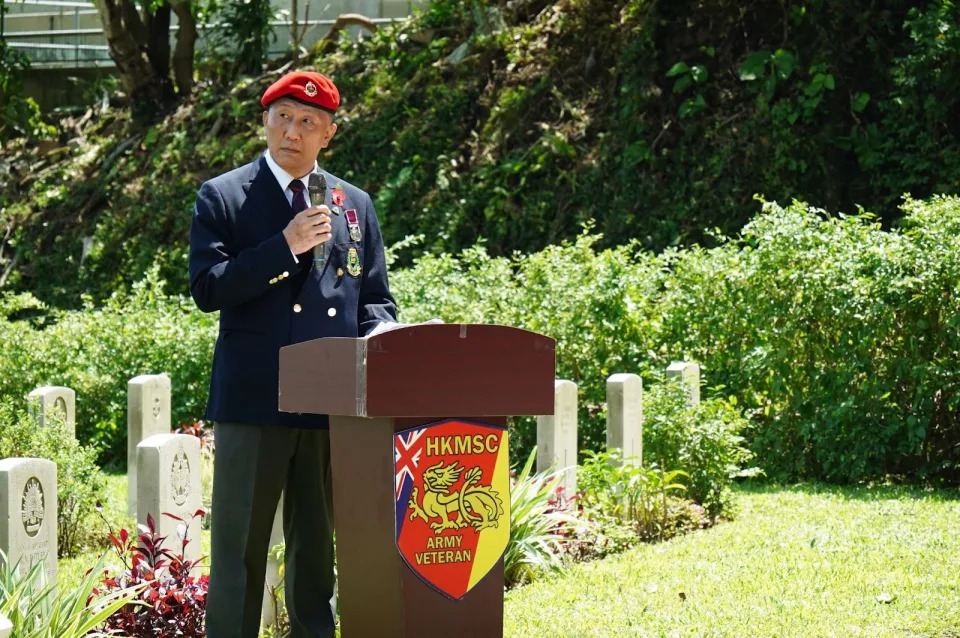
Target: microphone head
x=317 y=185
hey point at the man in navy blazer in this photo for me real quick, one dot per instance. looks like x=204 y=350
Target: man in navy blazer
x=252 y=246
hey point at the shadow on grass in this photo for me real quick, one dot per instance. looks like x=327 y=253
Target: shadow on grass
x=865 y=492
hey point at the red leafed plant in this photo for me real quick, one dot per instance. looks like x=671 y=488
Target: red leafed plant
x=200 y=430
x=171 y=602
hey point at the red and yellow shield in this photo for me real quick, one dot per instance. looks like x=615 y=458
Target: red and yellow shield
x=453 y=502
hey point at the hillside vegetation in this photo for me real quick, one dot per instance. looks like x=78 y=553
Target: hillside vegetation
x=516 y=122
x=836 y=338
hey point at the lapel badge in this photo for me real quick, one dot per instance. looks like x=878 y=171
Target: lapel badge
x=354 y=224
x=353 y=262
x=310 y=89
x=338 y=197
x=335 y=210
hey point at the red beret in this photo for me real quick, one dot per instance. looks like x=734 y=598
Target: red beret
x=312 y=89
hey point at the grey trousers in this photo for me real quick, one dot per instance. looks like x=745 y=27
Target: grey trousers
x=253 y=465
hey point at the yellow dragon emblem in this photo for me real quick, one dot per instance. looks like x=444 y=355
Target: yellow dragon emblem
x=474 y=504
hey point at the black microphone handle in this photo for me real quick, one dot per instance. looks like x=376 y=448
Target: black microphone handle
x=318 y=192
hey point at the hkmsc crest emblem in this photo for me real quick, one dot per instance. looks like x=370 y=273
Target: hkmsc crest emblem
x=452 y=502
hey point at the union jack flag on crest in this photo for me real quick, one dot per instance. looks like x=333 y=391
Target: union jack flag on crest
x=407 y=452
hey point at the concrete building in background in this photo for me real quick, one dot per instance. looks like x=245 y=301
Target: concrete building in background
x=64 y=39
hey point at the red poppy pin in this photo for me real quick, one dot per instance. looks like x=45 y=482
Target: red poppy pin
x=338 y=197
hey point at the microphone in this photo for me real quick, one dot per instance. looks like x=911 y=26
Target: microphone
x=317 y=187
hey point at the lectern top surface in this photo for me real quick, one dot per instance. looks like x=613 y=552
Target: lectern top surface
x=422 y=370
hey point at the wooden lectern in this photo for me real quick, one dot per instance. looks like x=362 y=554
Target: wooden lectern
x=383 y=384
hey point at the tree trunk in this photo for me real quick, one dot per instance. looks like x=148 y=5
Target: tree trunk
x=186 y=42
x=158 y=38
x=149 y=88
x=157 y=26
x=294 y=35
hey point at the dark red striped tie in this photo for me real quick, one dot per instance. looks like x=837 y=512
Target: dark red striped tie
x=299 y=202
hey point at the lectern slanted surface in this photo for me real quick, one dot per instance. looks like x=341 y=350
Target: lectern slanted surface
x=421 y=370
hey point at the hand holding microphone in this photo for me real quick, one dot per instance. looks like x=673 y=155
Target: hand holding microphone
x=310 y=229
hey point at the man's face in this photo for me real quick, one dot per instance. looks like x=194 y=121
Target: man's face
x=296 y=133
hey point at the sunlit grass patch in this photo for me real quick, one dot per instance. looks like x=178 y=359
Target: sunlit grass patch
x=801 y=561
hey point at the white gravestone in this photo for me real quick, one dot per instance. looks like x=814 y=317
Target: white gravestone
x=169 y=483
x=557 y=436
x=5 y=626
x=625 y=416
x=28 y=514
x=148 y=413
x=688 y=374
x=48 y=400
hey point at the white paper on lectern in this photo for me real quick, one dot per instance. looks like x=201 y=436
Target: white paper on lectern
x=386 y=326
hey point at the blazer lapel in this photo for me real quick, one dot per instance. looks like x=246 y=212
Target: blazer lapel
x=271 y=207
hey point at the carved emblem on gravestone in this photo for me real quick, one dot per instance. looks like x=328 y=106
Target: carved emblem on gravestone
x=156 y=407
x=180 y=478
x=60 y=407
x=31 y=508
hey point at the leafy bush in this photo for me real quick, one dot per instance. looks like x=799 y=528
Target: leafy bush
x=80 y=483
x=169 y=601
x=19 y=114
x=96 y=351
x=833 y=335
x=622 y=489
x=705 y=441
x=50 y=610
x=837 y=337
x=598 y=305
x=240 y=36
x=536 y=526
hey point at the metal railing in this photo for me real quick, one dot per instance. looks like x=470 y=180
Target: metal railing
x=75 y=48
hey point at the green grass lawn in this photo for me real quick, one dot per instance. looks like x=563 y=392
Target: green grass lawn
x=804 y=561
x=807 y=561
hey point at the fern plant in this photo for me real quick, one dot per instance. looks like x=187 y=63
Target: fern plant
x=47 y=610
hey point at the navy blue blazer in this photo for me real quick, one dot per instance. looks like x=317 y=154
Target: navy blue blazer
x=241 y=265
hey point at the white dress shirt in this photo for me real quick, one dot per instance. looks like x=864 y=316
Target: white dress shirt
x=284 y=178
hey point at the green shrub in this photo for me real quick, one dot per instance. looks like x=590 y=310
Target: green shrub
x=639 y=495
x=598 y=305
x=96 y=351
x=80 y=484
x=705 y=442
x=838 y=337
x=835 y=336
